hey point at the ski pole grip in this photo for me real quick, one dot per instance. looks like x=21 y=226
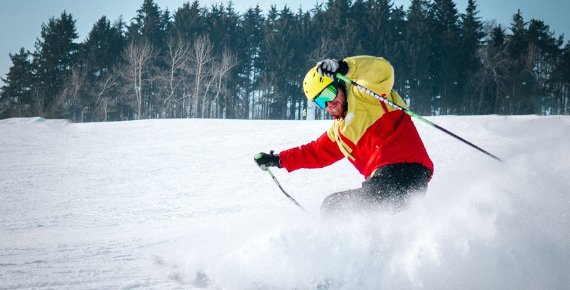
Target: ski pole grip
x=343 y=77
x=261 y=166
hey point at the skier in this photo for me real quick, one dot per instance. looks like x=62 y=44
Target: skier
x=380 y=141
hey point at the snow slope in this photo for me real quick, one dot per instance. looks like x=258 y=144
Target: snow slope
x=180 y=204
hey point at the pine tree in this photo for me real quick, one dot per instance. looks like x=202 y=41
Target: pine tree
x=322 y=43
x=561 y=77
x=189 y=21
x=395 y=51
x=418 y=53
x=492 y=78
x=545 y=50
x=359 y=27
x=280 y=60
x=16 y=93
x=149 y=24
x=471 y=38
x=249 y=68
x=380 y=33
x=54 y=57
x=519 y=98
x=336 y=27
x=100 y=53
x=444 y=62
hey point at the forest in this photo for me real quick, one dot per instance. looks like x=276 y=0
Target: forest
x=214 y=62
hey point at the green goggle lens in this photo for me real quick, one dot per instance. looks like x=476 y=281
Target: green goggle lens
x=327 y=95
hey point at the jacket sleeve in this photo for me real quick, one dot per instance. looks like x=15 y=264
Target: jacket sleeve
x=316 y=154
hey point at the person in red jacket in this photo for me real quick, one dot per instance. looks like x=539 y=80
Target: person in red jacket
x=379 y=140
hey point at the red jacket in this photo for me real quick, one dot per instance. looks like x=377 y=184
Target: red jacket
x=372 y=134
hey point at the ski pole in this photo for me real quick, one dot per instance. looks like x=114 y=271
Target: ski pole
x=411 y=113
x=283 y=190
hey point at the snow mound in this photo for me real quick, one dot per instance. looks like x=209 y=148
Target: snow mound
x=170 y=204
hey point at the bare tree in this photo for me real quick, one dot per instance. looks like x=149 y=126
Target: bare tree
x=200 y=57
x=177 y=61
x=137 y=56
x=219 y=71
x=491 y=81
x=103 y=100
x=37 y=107
x=263 y=101
x=68 y=99
x=324 y=50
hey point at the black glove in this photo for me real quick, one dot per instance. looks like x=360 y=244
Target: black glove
x=265 y=160
x=329 y=67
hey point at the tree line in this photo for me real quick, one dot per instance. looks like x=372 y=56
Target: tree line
x=214 y=62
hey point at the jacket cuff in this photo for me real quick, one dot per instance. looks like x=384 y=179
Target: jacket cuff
x=342 y=67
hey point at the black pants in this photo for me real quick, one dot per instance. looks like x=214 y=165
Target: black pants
x=391 y=186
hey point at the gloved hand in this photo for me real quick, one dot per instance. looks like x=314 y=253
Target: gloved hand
x=265 y=160
x=329 y=67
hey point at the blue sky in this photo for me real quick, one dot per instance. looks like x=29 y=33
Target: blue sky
x=21 y=20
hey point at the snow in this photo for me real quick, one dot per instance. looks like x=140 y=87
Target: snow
x=180 y=204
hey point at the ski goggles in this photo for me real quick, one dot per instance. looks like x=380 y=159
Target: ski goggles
x=327 y=95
